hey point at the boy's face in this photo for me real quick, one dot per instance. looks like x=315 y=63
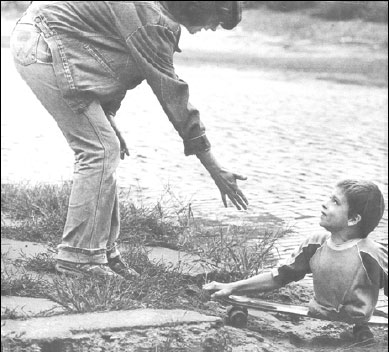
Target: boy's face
x=334 y=214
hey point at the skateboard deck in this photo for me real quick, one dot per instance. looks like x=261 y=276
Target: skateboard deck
x=253 y=305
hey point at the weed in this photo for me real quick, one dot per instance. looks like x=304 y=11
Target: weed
x=228 y=252
x=42 y=262
x=7 y=313
x=235 y=252
x=39 y=211
x=23 y=284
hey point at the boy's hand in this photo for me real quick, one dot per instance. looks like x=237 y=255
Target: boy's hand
x=220 y=288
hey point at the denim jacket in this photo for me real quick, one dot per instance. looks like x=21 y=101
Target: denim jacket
x=101 y=49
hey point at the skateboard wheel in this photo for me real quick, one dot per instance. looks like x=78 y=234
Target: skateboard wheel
x=237 y=317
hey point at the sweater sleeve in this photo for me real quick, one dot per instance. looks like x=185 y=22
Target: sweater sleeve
x=375 y=262
x=152 y=48
x=297 y=266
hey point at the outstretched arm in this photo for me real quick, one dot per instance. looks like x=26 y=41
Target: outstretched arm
x=261 y=282
x=154 y=59
x=225 y=180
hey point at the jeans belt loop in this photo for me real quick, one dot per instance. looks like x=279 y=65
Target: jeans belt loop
x=43 y=27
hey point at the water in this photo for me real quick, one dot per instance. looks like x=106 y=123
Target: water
x=293 y=136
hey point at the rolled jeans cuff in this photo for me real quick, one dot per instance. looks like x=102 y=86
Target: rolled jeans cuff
x=82 y=255
x=196 y=145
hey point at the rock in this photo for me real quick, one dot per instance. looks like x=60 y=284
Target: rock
x=28 y=306
x=68 y=326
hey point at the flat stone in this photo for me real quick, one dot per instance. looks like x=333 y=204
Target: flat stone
x=29 y=306
x=188 y=263
x=13 y=250
x=68 y=326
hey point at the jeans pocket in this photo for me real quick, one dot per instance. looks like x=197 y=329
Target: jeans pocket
x=101 y=60
x=43 y=52
x=24 y=44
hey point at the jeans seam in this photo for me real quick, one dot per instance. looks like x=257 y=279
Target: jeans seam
x=101 y=179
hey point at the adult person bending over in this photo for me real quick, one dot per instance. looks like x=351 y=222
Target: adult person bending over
x=80 y=58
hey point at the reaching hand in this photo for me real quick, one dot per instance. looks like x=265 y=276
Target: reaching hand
x=220 y=288
x=226 y=182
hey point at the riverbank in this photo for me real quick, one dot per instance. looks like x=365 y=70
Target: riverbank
x=350 y=52
x=166 y=309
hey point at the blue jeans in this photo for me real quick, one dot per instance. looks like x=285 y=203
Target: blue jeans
x=93 y=218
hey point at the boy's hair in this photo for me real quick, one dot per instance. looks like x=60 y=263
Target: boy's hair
x=364 y=198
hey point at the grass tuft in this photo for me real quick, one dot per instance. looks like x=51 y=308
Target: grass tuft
x=226 y=252
x=235 y=252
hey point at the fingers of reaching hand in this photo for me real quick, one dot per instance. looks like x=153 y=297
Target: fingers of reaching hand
x=234 y=194
x=235 y=200
x=242 y=196
x=240 y=177
x=224 y=199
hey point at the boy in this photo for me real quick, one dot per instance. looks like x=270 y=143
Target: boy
x=348 y=269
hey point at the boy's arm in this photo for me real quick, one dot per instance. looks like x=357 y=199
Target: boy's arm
x=375 y=262
x=261 y=282
x=293 y=270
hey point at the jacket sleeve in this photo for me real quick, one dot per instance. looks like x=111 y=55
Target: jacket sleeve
x=297 y=266
x=152 y=48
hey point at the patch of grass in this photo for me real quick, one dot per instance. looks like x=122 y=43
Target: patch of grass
x=158 y=287
x=42 y=262
x=16 y=280
x=228 y=253
x=23 y=284
x=38 y=211
x=159 y=225
x=8 y=313
x=235 y=252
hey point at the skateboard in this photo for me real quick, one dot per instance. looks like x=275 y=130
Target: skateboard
x=239 y=307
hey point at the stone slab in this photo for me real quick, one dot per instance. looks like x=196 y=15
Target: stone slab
x=68 y=326
x=29 y=306
x=13 y=250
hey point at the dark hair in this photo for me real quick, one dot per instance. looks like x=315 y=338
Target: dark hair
x=364 y=198
x=198 y=13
